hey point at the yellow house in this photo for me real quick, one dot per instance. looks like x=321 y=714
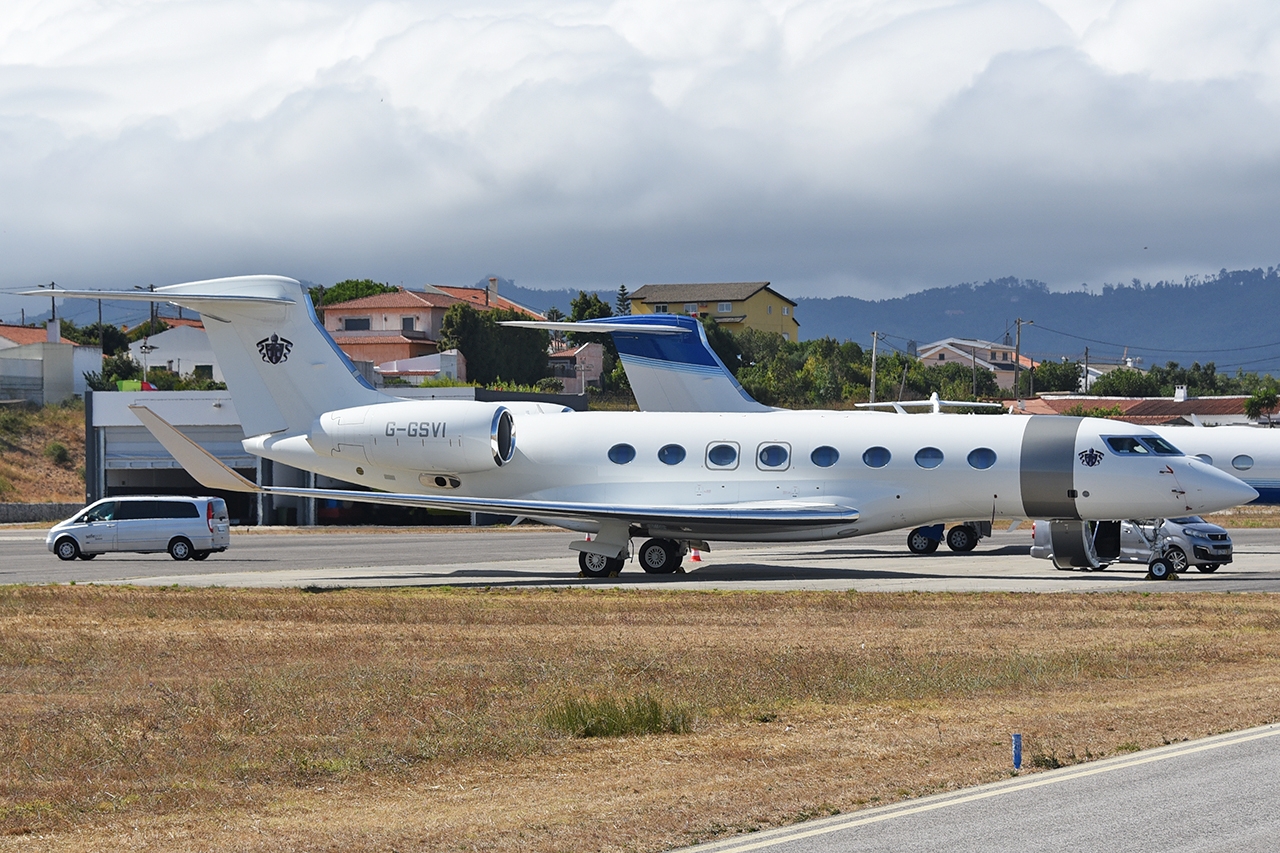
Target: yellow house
x=735 y=305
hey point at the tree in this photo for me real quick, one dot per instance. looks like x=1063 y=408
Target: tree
x=723 y=344
x=147 y=329
x=112 y=338
x=492 y=351
x=352 y=288
x=1125 y=382
x=1058 y=376
x=622 y=303
x=1262 y=404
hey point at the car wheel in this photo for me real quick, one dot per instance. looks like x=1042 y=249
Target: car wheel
x=180 y=548
x=961 y=538
x=1177 y=559
x=1208 y=567
x=1160 y=569
x=919 y=543
x=200 y=555
x=87 y=556
x=66 y=548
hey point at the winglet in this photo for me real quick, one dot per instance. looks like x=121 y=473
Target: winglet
x=200 y=463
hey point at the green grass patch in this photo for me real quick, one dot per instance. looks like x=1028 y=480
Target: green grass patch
x=610 y=717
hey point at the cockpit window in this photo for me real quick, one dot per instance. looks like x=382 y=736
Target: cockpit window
x=1160 y=446
x=1127 y=444
x=1141 y=445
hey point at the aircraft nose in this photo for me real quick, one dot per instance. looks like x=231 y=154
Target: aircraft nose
x=1212 y=490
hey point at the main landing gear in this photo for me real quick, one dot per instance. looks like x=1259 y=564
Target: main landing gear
x=656 y=557
x=961 y=538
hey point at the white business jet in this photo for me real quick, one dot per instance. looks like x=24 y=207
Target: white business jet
x=680 y=479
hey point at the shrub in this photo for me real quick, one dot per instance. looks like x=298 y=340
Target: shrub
x=608 y=717
x=57 y=452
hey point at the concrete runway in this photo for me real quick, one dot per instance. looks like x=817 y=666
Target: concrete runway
x=1215 y=794
x=532 y=557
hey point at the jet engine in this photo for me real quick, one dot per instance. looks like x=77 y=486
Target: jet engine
x=1084 y=544
x=429 y=436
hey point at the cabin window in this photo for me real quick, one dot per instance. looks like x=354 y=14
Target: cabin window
x=876 y=457
x=621 y=454
x=982 y=458
x=773 y=455
x=671 y=454
x=824 y=457
x=1205 y=458
x=722 y=455
x=355 y=324
x=1242 y=462
x=928 y=457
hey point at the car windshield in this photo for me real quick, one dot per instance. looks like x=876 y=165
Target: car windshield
x=1188 y=519
x=101 y=512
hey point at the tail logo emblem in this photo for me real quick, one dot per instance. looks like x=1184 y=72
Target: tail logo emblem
x=275 y=349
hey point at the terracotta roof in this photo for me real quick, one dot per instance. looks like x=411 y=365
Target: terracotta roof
x=1141 y=410
x=481 y=298
x=726 y=291
x=22 y=335
x=171 y=322
x=401 y=299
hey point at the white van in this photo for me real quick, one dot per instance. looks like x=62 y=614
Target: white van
x=185 y=527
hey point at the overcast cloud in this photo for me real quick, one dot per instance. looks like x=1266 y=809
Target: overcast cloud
x=868 y=148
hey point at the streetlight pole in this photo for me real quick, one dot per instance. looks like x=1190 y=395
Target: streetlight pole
x=875 y=336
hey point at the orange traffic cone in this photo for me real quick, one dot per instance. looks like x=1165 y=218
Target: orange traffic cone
x=694 y=556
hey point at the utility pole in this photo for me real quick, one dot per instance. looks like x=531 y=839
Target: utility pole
x=973 y=356
x=1086 y=370
x=875 y=336
x=102 y=333
x=1017 y=360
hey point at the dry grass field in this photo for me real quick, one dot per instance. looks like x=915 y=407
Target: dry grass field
x=210 y=719
x=42 y=453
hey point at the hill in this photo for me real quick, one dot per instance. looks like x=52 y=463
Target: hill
x=32 y=468
x=1228 y=318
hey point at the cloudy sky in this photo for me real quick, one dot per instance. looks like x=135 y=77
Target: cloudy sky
x=861 y=147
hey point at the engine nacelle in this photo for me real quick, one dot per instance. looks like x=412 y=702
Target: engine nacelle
x=437 y=436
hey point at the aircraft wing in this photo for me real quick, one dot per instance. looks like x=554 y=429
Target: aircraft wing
x=707 y=518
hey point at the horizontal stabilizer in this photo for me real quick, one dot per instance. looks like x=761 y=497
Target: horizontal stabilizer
x=200 y=463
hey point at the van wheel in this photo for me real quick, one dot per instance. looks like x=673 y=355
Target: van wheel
x=1208 y=567
x=180 y=548
x=200 y=555
x=87 y=556
x=66 y=549
x=1178 y=559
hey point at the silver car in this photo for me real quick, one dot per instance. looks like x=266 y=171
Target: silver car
x=1185 y=542
x=187 y=528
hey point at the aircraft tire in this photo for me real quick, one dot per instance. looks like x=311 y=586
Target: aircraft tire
x=659 y=557
x=598 y=565
x=1160 y=570
x=1208 y=567
x=919 y=543
x=961 y=538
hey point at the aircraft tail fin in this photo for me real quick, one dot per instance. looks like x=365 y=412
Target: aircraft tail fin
x=281 y=366
x=669 y=363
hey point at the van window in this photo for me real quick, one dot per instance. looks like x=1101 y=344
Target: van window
x=130 y=510
x=219 y=508
x=101 y=512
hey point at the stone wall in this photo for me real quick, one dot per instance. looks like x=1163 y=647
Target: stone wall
x=19 y=513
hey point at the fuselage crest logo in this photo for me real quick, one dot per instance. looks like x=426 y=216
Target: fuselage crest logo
x=275 y=349
x=1091 y=457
